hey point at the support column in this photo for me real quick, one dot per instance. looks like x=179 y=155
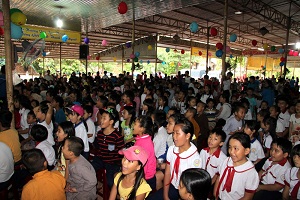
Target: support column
x=133 y=36
x=286 y=45
x=60 y=59
x=224 y=38
x=207 y=48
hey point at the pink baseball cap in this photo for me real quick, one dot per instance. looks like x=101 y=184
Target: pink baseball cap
x=78 y=109
x=135 y=153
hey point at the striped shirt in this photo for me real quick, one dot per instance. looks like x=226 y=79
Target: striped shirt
x=109 y=145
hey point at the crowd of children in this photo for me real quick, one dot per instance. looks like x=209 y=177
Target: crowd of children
x=156 y=138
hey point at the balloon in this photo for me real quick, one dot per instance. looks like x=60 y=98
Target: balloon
x=14 y=10
x=296 y=53
x=209 y=53
x=128 y=44
x=231 y=56
x=136 y=59
x=233 y=37
x=194 y=27
x=104 y=43
x=1 y=19
x=265 y=46
x=86 y=40
x=1 y=31
x=97 y=57
x=213 y=31
x=137 y=54
x=291 y=52
x=132 y=56
x=89 y=57
x=122 y=8
x=18 y=18
x=148 y=62
x=44 y=54
x=141 y=61
x=115 y=59
x=163 y=63
x=281 y=64
x=228 y=49
x=219 y=53
x=254 y=42
x=182 y=51
x=281 y=50
x=16 y=31
x=167 y=49
x=282 y=59
x=273 y=48
x=128 y=60
x=65 y=38
x=43 y=35
x=219 y=45
x=200 y=53
x=149 y=47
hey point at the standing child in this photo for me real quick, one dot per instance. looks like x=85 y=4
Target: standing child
x=269 y=127
x=238 y=177
x=294 y=129
x=82 y=181
x=284 y=116
x=163 y=104
x=127 y=125
x=291 y=177
x=212 y=156
x=130 y=183
x=24 y=108
x=91 y=132
x=160 y=138
x=210 y=112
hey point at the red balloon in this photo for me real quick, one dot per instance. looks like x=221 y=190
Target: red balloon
x=97 y=57
x=200 y=53
x=291 y=52
x=1 y=31
x=296 y=53
x=282 y=59
x=122 y=8
x=182 y=51
x=213 y=31
x=254 y=42
x=219 y=45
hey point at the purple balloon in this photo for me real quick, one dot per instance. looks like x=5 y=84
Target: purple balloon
x=128 y=44
x=86 y=40
x=128 y=60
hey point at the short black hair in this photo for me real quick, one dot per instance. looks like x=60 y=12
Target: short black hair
x=34 y=160
x=243 y=138
x=192 y=110
x=295 y=150
x=129 y=94
x=76 y=145
x=59 y=100
x=282 y=98
x=210 y=100
x=39 y=133
x=5 y=118
x=160 y=118
x=219 y=132
x=32 y=114
x=88 y=109
x=252 y=125
x=284 y=144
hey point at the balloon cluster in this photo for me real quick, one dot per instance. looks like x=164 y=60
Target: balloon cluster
x=219 y=51
x=17 y=20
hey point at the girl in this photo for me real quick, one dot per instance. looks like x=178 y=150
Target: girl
x=207 y=94
x=130 y=183
x=294 y=129
x=147 y=106
x=269 y=127
x=210 y=112
x=75 y=114
x=291 y=188
x=163 y=104
x=263 y=106
x=143 y=129
x=190 y=182
x=238 y=178
x=65 y=130
x=191 y=102
x=108 y=142
x=91 y=132
x=23 y=103
x=224 y=107
x=160 y=138
x=127 y=125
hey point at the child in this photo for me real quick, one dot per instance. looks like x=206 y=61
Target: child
x=24 y=108
x=29 y=143
x=269 y=127
x=147 y=107
x=210 y=113
x=190 y=114
x=65 y=130
x=183 y=155
x=91 y=132
x=291 y=177
x=130 y=183
x=45 y=184
x=283 y=117
x=263 y=106
x=82 y=181
x=234 y=124
x=274 y=111
x=143 y=129
x=212 y=156
x=39 y=134
x=58 y=105
x=190 y=182
x=160 y=138
x=191 y=102
x=238 y=178
x=248 y=113
x=256 y=150
x=272 y=174
x=202 y=121
x=223 y=107
x=127 y=125
x=75 y=114
x=163 y=104
x=252 y=101
x=294 y=129
x=109 y=141
x=207 y=94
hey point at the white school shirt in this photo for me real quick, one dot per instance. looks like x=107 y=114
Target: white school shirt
x=291 y=179
x=267 y=141
x=170 y=141
x=256 y=151
x=279 y=126
x=188 y=159
x=274 y=173
x=49 y=127
x=284 y=118
x=226 y=111
x=245 y=180
x=211 y=162
x=91 y=129
x=295 y=122
x=24 y=125
x=7 y=163
x=81 y=132
x=48 y=151
x=160 y=142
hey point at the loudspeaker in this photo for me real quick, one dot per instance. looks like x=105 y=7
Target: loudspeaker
x=83 y=51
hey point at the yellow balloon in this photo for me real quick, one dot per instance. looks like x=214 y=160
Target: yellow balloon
x=18 y=18
x=265 y=46
x=149 y=47
x=115 y=59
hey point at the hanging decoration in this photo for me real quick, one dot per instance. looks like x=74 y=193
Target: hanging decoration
x=296 y=53
x=281 y=50
x=291 y=52
x=233 y=37
x=273 y=48
x=115 y=59
x=282 y=59
x=148 y=62
x=44 y=54
x=228 y=49
x=137 y=54
x=98 y=57
x=1 y=31
x=128 y=60
x=43 y=35
x=149 y=47
x=200 y=53
x=167 y=49
x=122 y=8
x=219 y=53
x=194 y=27
x=254 y=43
x=86 y=40
x=136 y=59
x=1 y=19
x=182 y=51
x=104 y=43
x=219 y=45
x=64 y=38
x=213 y=31
x=16 y=31
x=265 y=46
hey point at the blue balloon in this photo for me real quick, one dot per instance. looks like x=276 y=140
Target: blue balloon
x=163 y=63
x=281 y=64
x=194 y=27
x=148 y=62
x=16 y=31
x=231 y=56
x=219 y=53
x=137 y=54
x=65 y=38
x=44 y=53
x=167 y=49
x=233 y=37
x=281 y=50
x=141 y=61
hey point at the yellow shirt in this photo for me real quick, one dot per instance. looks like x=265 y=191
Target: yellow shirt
x=11 y=138
x=124 y=192
x=45 y=185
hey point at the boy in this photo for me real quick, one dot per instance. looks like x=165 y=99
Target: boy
x=284 y=116
x=58 y=104
x=45 y=184
x=272 y=174
x=29 y=143
x=88 y=113
x=190 y=114
x=212 y=156
x=202 y=121
x=82 y=181
x=210 y=112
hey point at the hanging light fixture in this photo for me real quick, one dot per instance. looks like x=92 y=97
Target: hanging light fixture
x=58 y=20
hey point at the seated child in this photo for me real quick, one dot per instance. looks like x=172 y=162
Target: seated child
x=39 y=134
x=212 y=156
x=272 y=174
x=291 y=180
x=191 y=180
x=210 y=112
x=82 y=181
x=45 y=183
x=29 y=143
x=91 y=132
x=130 y=183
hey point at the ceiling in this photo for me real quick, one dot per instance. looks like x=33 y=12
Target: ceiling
x=99 y=19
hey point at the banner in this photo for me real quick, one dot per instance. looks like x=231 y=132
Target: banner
x=31 y=32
